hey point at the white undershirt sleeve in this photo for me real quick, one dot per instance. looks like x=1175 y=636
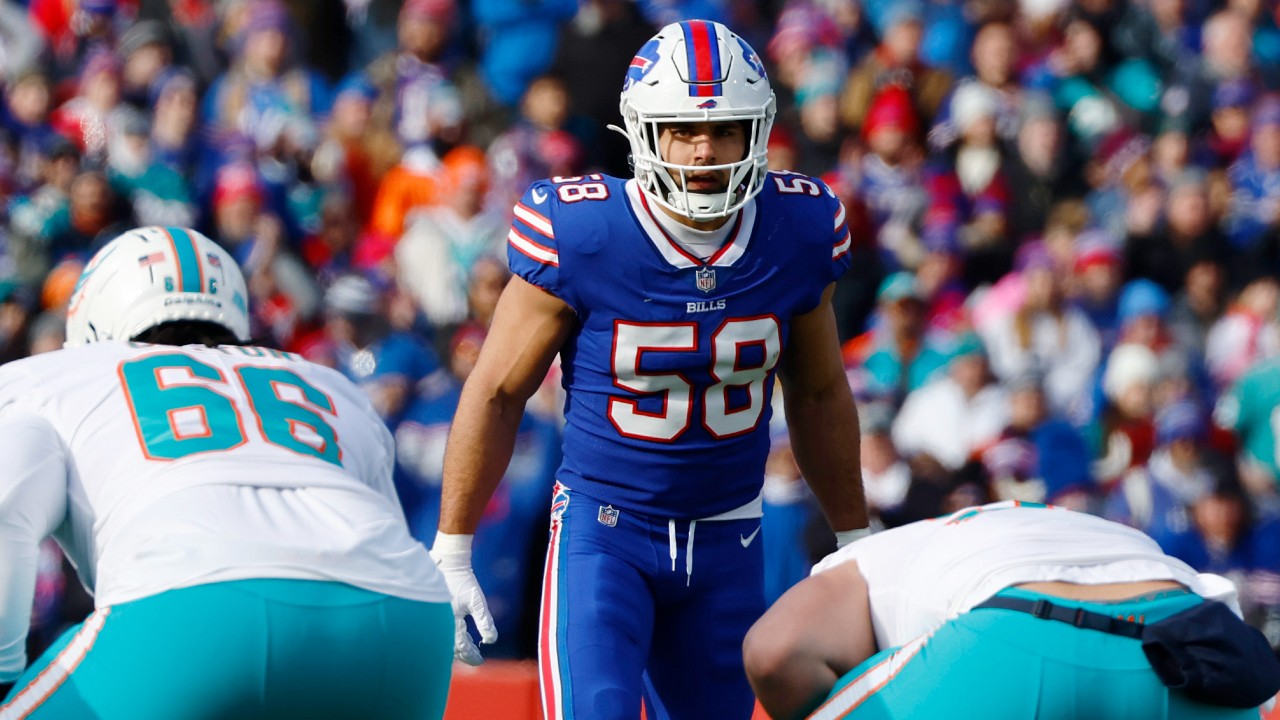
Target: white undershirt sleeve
x=33 y=501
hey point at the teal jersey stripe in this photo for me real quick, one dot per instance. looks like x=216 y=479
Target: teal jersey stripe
x=188 y=261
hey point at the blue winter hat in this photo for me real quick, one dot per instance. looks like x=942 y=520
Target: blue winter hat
x=357 y=84
x=1141 y=297
x=1237 y=93
x=901 y=12
x=1180 y=421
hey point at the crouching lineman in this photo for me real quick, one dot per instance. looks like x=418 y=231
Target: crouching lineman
x=1008 y=612
x=230 y=507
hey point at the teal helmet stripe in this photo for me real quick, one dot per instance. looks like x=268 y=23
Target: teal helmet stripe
x=189 y=268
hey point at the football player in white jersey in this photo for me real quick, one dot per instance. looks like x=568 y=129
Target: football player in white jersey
x=230 y=507
x=1009 y=611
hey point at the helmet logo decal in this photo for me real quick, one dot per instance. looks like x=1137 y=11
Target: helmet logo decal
x=706 y=105
x=642 y=63
x=702 y=50
x=750 y=57
x=147 y=261
x=184 y=251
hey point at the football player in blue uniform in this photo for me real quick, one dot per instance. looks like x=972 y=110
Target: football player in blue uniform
x=673 y=299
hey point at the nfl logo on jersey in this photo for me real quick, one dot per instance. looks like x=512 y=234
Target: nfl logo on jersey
x=608 y=516
x=706 y=279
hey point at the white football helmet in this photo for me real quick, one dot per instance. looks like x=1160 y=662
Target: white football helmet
x=154 y=275
x=697 y=71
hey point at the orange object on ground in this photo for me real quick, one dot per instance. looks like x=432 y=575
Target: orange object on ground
x=506 y=690
x=497 y=690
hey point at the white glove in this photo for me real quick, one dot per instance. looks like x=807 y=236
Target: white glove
x=452 y=554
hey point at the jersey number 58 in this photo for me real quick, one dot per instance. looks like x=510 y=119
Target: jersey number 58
x=632 y=339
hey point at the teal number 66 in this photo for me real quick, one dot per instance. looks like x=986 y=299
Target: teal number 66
x=177 y=418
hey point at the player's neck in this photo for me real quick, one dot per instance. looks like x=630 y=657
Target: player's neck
x=695 y=240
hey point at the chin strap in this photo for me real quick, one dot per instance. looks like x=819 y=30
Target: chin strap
x=702 y=203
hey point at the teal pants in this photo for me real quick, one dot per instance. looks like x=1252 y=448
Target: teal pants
x=248 y=650
x=994 y=664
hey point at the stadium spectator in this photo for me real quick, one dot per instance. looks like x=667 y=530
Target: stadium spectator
x=1123 y=433
x=175 y=103
x=953 y=416
x=92 y=216
x=594 y=50
x=24 y=116
x=788 y=514
x=1046 y=334
x=538 y=145
x=284 y=288
x=1061 y=456
x=895 y=63
x=145 y=54
x=968 y=187
x=886 y=183
x=1098 y=274
x=1200 y=301
x=514 y=521
x=1038 y=167
x=1255 y=181
x=435 y=257
x=885 y=475
x=1249 y=332
x=898 y=356
x=1156 y=498
x=359 y=341
x=264 y=89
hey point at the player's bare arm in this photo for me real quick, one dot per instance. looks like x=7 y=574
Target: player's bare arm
x=816 y=632
x=822 y=418
x=528 y=329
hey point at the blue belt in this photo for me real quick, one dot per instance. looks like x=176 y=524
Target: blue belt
x=1079 y=617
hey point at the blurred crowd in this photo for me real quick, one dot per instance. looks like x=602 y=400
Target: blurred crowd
x=1066 y=216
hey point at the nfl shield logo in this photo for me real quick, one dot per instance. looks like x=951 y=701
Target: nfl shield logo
x=706 y=279
x=608 y=516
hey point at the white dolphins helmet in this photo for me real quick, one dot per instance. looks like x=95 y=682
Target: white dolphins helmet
x=154 y=275
x=697 y=71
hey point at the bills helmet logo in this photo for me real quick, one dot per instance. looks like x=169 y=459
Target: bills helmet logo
x=706 y=105
x=642 y=63
x=752 y=60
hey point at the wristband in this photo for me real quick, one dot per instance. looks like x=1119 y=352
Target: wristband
x=844 y=537
x=448 y=544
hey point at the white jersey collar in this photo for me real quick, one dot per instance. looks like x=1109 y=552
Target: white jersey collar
x=737 y=233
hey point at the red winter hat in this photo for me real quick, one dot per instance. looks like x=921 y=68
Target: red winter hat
x=440 y=11
x=891 y=108
x=235 y=181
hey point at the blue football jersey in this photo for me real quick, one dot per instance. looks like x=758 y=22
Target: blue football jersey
x=670 y=370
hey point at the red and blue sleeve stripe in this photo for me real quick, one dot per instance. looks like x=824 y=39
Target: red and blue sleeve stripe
x=533 y=235
x=703 y=54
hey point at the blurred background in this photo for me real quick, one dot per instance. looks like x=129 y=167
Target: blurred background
x=1066 y=216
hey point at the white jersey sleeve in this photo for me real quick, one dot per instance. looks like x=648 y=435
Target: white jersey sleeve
x=33 y=501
